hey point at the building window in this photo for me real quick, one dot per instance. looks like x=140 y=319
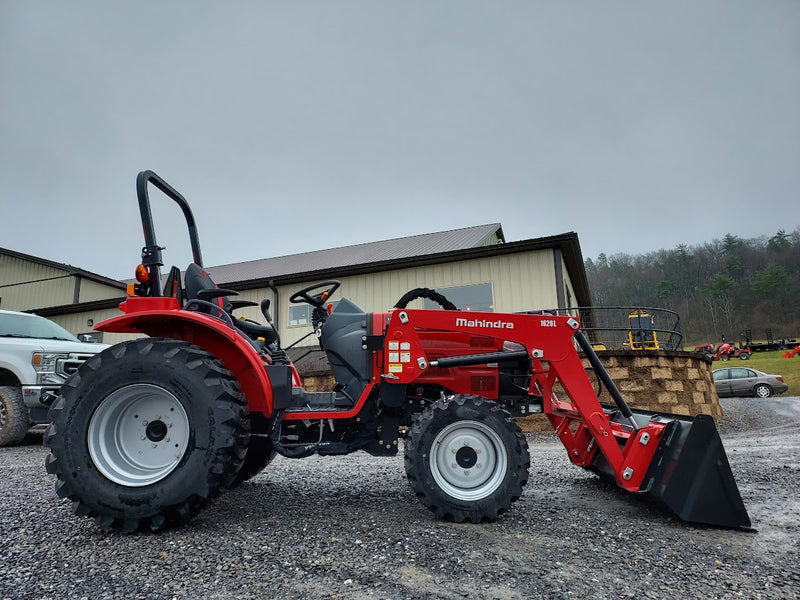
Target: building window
x=304 y=313
x=476 y=297
x=300 y=314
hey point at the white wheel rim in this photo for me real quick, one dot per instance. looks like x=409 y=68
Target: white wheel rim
x=138 y=435
x=468 y=460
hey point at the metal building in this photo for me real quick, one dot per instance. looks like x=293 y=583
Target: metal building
x=73 y=297
x=474 y=267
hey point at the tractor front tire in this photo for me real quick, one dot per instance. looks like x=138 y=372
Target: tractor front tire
x=14 y=420
x=466 y=459
x=146 y=433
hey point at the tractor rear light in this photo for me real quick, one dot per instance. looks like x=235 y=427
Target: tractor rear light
x=142 y=274
x=131 y=289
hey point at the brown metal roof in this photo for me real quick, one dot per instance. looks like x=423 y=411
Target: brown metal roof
x=358 y=255
x=413 y=251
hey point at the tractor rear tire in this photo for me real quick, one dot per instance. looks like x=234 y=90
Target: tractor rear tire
x=14 y=419
x=146 y=433
x=466 y=459
x=260 y=452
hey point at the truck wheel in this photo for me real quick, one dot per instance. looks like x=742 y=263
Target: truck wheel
x=466 y=459
x=14 y=420
x=762 y=390
x=146 y=433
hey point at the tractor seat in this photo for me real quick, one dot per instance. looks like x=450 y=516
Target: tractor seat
x=200 y=286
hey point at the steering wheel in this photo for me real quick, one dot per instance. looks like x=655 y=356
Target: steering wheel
x=317 y=300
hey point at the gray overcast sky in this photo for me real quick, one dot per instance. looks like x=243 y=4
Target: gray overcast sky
x=297 y=126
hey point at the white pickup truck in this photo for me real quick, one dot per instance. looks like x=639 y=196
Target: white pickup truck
x=36 y=357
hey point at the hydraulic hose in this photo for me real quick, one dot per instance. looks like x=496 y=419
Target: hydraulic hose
x=598 y=367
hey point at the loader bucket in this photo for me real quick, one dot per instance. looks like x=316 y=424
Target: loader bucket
x=691 y=476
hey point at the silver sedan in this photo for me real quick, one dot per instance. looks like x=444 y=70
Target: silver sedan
x=741 y=381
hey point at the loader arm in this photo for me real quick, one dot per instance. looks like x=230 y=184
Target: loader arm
x=546 y=339
x=677 y=460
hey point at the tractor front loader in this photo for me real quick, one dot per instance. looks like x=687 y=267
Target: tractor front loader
x=149 y=430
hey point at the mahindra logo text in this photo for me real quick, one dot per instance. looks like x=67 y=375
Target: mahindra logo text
x=499 y=324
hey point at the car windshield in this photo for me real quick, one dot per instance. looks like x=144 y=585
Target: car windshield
x=31 y=326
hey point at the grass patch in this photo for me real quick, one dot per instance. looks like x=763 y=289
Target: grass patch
x=771 y=362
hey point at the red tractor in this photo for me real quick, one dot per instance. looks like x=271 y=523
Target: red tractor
x=731 y=351
x=149 y=430
x=724 y=351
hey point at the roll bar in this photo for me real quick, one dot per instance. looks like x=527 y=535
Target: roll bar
x=151 y=252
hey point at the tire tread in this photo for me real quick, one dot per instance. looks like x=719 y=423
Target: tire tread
x=231 y=420
x=17 y=419
x=417 y=456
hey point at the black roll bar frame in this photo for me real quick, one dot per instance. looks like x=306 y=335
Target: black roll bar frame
x=151 y=252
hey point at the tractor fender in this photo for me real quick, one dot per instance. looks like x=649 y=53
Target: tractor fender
x=210 y=334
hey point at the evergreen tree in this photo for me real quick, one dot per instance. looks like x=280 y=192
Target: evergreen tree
x=722 y=287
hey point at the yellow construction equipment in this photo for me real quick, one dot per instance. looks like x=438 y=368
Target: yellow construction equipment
x=641 y=331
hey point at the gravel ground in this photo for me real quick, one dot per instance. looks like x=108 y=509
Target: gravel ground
x=351 y=528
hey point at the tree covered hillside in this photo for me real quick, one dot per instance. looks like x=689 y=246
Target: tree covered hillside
x=721 y=288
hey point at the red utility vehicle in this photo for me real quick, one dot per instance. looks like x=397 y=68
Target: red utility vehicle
x=149 y=430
